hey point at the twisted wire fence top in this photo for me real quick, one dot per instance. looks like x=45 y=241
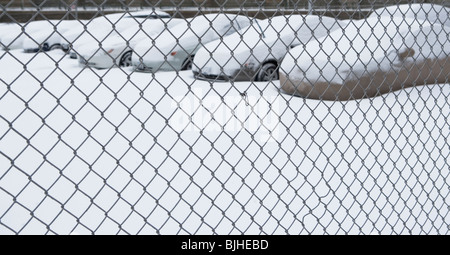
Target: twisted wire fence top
x=224 y=117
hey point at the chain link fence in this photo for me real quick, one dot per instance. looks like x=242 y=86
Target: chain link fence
x=224 y=117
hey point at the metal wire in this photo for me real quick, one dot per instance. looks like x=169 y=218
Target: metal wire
x=119 y=151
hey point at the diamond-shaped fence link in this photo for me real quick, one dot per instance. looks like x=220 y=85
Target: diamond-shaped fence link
x=224 y=117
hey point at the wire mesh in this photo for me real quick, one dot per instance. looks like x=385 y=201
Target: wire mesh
x=224 y=117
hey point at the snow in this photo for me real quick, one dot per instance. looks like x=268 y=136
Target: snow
x=15 y=37
x=5 y=29
x=36 y=33
x=104 y=27
x=152 y=12
x=148 y=28
x=133 y=35
x=433 y=13
x=184 y=37
x=269 y=162
x=100 y=28
x=366 y=46
x=51 y=33
x=117 y=151
x=264 y=40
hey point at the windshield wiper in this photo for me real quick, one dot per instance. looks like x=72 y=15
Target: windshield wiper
x=262 y=32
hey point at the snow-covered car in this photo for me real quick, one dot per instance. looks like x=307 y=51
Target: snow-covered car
x=16 y=34
x=254 y=53
x=49 y=36
x=368 y=58
x=433 y=13
x=70 y=36
x=8 y=28
x=99 y=29
x=117 y=50
x=8 y=33
x=4 y=25
x=174 y=49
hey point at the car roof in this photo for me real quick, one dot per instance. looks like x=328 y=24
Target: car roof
x=147 y=13
x=430 y=12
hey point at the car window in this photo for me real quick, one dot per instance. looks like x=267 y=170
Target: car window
x=231 y=27
x=228 y=29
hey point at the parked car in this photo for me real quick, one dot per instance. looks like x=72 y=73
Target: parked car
x=254 y=53
x=117 y=50
x=381 y=55
x=16 y=34
x=174 y=49
x=99 y=29
x=48 y=37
